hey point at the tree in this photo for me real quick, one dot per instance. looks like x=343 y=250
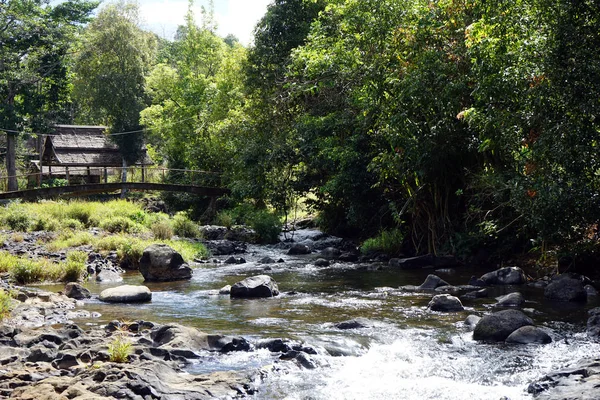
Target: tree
x=35 y=39
x=110 y=67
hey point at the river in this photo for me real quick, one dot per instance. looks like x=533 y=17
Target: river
x=406 y=352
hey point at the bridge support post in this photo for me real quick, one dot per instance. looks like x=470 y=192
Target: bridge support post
x=67 y=175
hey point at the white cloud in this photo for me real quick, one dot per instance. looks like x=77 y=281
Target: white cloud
x=237 y=17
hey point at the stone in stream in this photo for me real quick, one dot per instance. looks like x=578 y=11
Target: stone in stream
x=527 y=335
x=593 y=322
x=298 y=249
x=330 y=253
x=108 y=276
x=579 y=381
x=353 y=324
x=498 y=326
x=255 y=286
x=428 y=260
x=504 y=276
x=266 y=260
x=514 y=299
x=126 y=294
x=566 y=288
x=75 y=291
x=160 y=263
x=225 y=289
x=471 y=321
x=321 y=262
x=432 y=282
x=445 y=302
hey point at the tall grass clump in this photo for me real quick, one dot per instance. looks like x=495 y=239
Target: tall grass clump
x=5 y=304
x=16 y=218
x=184 y=227
x=117 y=224
x=267 y=226
x=162 y=230
x=119 y=349
x=80 y=211
x=7 y=261
x=27 y=271
x=74 y=268
x=45 y=223
x=68 y=238
x=388 y=242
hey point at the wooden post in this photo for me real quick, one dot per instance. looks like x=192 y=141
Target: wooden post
x=143 y=174
x=89 y=175
x=105 y=175
x=49 y=171
x=11 y=165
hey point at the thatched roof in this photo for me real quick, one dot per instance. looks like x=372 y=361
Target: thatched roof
x=83 y=146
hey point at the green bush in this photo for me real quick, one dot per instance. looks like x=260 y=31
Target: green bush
x=388 y=241
x=69 y=238
x=162 y=230
x=266 y=225
x=189 y=250
x=74 y=267
x=71 y=223
x=27 y=271
x=130 y=252
x=117 y=225
x=17 y=219
x=225 y=218
x=80 y=211
x=7 y=261
x=45 y=223
x=184 y=227
x=5 y=304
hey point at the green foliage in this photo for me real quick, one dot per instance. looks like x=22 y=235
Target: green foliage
x=388 y=241
x=71 y=223
x=5 y=304
x=225 y=218
x=117 y=224
x=27 y=271
x=45 y=223
x=267 y=226
x=16 y=219
x=189 y=250
x=54 y=182
x=69 y=238
x=7 y=261
x=184 y=227
x=119 y=349
x=74 y=268
x=162 y=230
x=80 y=211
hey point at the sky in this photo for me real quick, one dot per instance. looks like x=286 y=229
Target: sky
x=237 y=17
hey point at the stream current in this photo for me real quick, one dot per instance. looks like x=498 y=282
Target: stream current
x=406 y=352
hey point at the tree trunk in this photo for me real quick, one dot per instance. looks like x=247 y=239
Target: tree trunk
x=11 y=164
x=124 y=178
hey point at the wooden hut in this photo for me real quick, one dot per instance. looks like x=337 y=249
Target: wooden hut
x=80 y=154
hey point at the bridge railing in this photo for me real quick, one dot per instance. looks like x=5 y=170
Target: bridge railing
x=62 y=176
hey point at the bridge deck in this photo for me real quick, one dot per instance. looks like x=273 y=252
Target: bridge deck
x=111 y=187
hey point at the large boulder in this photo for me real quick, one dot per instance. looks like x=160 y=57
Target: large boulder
x=76 y=291
x=298 y=249
x=445 y=302
x=498 y=326
x=255 y=286
x=174 y=336
x=432 y=282
x=528 y=334
x=160 y=263
x=126 y=294
x=505 y=276
x=566 y=289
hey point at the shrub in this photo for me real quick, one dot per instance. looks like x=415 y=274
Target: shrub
x=74 y=267
x=71 y=223
x=17 y=219
x=117 y=224
x=184 y=227
x=7 y=261
x=188 y=250
x=69 y=238
x=162 y=230
x=388 y=241
x=119 y=350
x=266 y=225
x=5 y=304
x=130 y=252
x=225 y=218
x=80 y=211
x=27 y=271
x=45 y=223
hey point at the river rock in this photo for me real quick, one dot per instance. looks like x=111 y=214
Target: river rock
x=514 y=299
x=498 y=326
x=591 y=291
x=566 y=289
x=353 y=324
x=504 y=276
x=108 y=276
x=321 y=262
x=126 y=294
x=331 y=253
x=225 y=289
x=528 y=334
x=593 y=322
x=225 y=247
x=160 y=263
x=76 y=291
x=255 y=286
x=432 y=282
x=266 y=260
x=175 y=336
x=428 y=260
x=445 y=302
x=576 y=382
x=471 y=321
x=298 y=249
x=213 y=232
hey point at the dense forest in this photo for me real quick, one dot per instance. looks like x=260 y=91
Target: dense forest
x=444 y=126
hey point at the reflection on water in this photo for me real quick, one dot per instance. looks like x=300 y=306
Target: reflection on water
x=406 y=353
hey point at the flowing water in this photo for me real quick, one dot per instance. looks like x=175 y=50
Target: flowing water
x=407 y=352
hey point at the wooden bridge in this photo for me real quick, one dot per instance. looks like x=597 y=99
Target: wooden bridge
x=86 y=181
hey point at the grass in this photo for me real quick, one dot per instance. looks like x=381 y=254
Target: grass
x=119 y=349
x=388 y=242
x=5 y=304
x=31 y=270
